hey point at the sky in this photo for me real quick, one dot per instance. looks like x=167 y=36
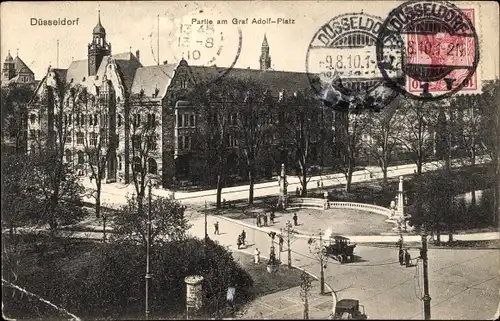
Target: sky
x=133 y=26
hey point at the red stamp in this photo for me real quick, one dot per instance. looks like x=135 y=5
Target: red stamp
x=443 y=50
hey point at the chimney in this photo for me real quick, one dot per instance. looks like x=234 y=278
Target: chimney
x=137 y=55
x=165 y=62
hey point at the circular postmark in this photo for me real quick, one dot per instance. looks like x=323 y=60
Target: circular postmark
x=206 y=38
x=341 y=63
x=440 y=44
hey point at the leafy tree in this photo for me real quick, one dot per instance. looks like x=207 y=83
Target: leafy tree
x=143 y=131
x=54 y=184
x=253 y=123
x=383 y=128
x=98 y=142
x=167 y=216
x=216 y=107
x=301 y=113
x=490 y=136
x=416 y=135
x=15 y=98
x=435 y=204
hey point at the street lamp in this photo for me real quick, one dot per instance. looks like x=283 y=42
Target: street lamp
x=148 y=244
x=318 y=249
x=427 y=298
x=289 y=230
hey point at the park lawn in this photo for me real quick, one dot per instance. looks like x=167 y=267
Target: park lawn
x=264 y=282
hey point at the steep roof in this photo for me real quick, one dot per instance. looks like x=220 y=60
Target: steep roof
x=274 y=80
x=21 y=66
x=77 y=70
x=153 y=77
x=127 y=66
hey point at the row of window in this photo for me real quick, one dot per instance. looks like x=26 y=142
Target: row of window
x=184 y=143
x=151 y=142
x=186 y=120
x=81 y=159
x=150 y=120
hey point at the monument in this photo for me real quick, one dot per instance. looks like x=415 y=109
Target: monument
x=283 y=184
x=194 y=293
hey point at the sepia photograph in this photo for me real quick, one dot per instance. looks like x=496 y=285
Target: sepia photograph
x=170 y=160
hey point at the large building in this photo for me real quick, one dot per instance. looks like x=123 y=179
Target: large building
x=16 y=71
x=128 y=92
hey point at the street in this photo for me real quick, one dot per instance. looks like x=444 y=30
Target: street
x=463 y=283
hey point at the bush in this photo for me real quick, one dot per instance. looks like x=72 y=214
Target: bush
x=108 y=281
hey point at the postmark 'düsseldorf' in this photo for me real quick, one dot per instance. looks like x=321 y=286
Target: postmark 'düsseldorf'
x=441 y=45
x=341 y=63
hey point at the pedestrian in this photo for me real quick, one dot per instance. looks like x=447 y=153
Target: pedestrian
x=295 y=219
x=265 y=219
x=216 y=227
x=317 y=183
x=280 y=238
x=297 y=192
x=321 y=183
x=401 y=256
x=272 y=217
x=407 y=258
x=256 y=256
x=243 y=236
x=300 y=191
x=257 y=220
x=238 y=242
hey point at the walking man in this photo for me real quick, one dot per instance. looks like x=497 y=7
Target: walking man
x=243 y=236
x=295 y=219
x=280 y=239
x=407 y=258
x=216 y=226
x=257 y=220
x=317 y=183
x=265 y=219
x=272 y=216
x=401 y=256
x=297 y=192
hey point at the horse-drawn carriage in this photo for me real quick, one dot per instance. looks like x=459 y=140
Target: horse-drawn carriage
x=340 y=248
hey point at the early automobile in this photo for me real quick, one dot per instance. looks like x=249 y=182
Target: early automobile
x=349 y=309
x=340 y=248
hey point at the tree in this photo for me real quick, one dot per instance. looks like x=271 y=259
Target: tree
x=435 y=205
x=143 y=128
x=167 y=216
x=490 y=136
x=305 y=292
x=383 y=129
x=15 y=98
x=351 y=126
x=416 y=135
x=302 y=113
x=217 y=109
x=97 y=144
x=253 y=120
x=54 y=182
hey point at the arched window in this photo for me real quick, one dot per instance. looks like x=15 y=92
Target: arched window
x=137 y=164
x=69 y=157
x=119 y=163
x=152 y=166
x=81 y=158
x=119 y=120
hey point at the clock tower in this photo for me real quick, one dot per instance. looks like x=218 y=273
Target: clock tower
x=98 y=48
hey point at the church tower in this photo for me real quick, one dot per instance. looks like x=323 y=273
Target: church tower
x=98 y=48
x=9 y=68
x=265 y=58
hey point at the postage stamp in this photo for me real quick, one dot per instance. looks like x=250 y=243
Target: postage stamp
x=441 y=48
x=342 y=67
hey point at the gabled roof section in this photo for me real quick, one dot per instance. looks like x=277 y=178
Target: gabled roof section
x=21 y=66
x=127 y=66
x=151 y=78
x=276 y=81
x=77 y=71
